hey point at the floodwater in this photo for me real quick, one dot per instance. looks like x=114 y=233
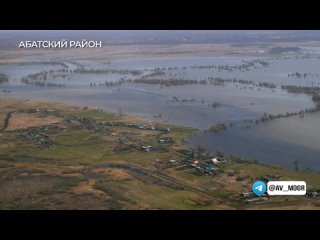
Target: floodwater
x=279 y=142
x=147 y=100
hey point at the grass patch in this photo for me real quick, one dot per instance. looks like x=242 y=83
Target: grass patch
x=70 y=171
x=256 y=171
x=181 y=133
x=150 y=196
x=5 y=164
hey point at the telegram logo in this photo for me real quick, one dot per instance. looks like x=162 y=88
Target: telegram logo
x=259 y=188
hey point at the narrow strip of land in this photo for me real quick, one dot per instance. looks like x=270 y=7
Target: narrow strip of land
x=6 y=121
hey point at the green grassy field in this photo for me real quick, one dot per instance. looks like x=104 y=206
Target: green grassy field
x=73 y=171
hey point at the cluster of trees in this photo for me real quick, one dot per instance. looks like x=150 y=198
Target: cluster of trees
x=63 y=70
x=301 y=89
x=221 y=81
x=244 y=66
x=215 y=104
x=107 y=84
x=295 y=57
x=45 y=84
x=167 y=82
x=106 y=71
x=267 y=117
x=158 y=69
x=303 y=75
x=314 y=91
x=182 y=81
x=45 y=63
x=173 y=81
x=44 y=76
x=312 y=110
x=154 y=74
x=35 y=76
x=316 y=97
x=3 y=78
x=267 y=85
x=218 y=128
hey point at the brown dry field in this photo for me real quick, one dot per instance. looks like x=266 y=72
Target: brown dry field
x=23 y=120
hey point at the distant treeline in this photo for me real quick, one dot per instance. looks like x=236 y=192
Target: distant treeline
x=46 y=84
x=154 y=74
x=301 y=89
x=106 y=71
x=107 y=84
x=268 y=117
x=224 y=67
x=44 y=63
x=35 y=76
x=168 y=82
x=244 y=66
x=314 y=91
x=263 y=119
x=221 y=81
x=275 y=50
x=179 y=82
x=304 y=75
x=40 y=79
x=44 y=75
x=220 y=127
x=3 y=78
x=209 y=81
x=296 y=57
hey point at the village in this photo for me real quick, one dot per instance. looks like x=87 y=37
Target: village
x=154 y=153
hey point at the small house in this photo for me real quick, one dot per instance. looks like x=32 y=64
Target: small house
x=166 y=140
x=210 y=169
x=247 y=194
x=218 y=160
x=194 y=161
x=215 y=161
x=313 y=194
x=146 y=148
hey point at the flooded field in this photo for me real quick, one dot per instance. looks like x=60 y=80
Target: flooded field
x=290 y=142
x=200 y=92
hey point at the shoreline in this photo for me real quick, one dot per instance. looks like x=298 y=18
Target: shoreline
x=90 y=151
x=134 y=118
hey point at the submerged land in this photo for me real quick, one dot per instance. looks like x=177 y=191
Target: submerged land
x=165 y=123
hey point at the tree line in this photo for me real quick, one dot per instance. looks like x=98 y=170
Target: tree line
x=106 y=71
x=3 y=78
x=313 y=91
